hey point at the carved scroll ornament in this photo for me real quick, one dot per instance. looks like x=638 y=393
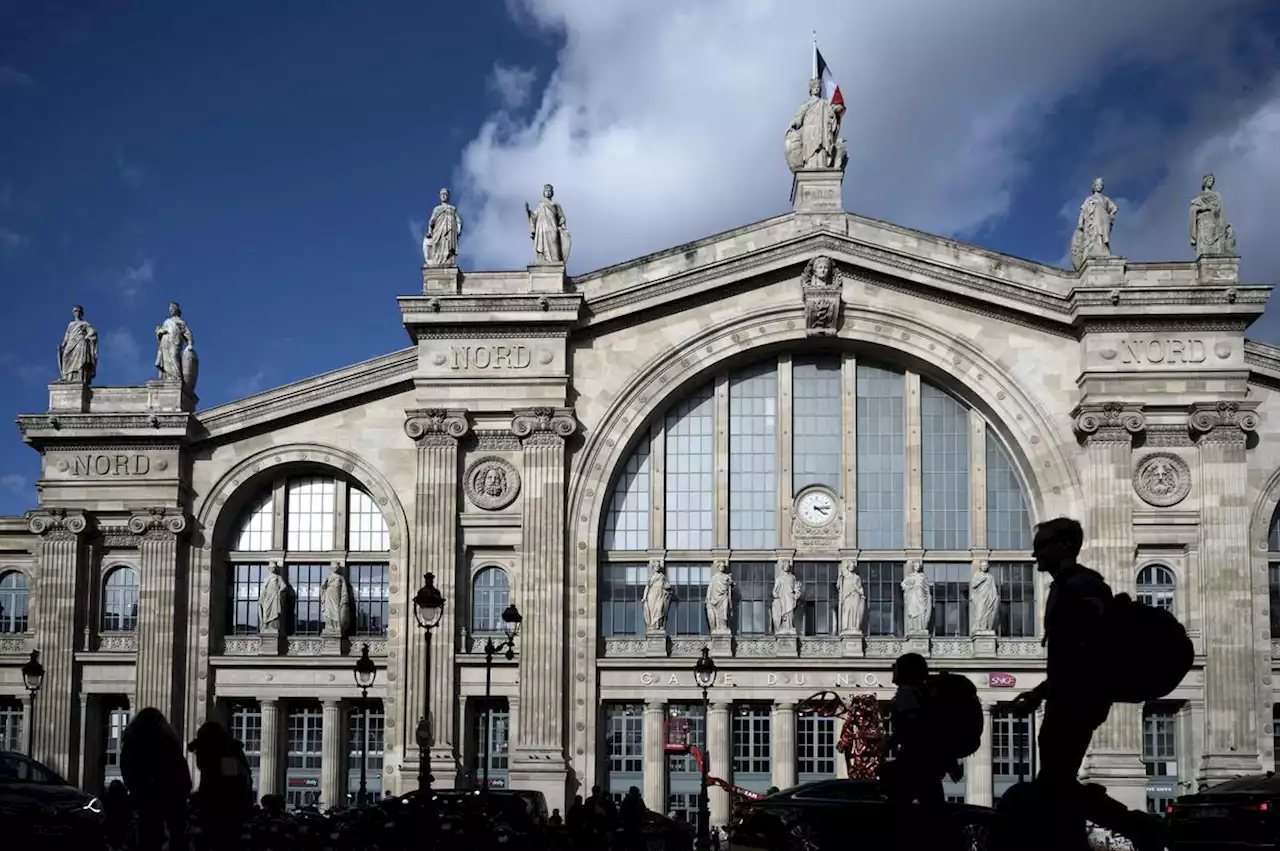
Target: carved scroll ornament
x=1109 y=422
x=543 y=424
x=435 y=425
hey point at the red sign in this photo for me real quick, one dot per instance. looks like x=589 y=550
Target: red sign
x=996 y=679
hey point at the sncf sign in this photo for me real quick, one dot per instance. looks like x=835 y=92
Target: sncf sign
x=996 y=679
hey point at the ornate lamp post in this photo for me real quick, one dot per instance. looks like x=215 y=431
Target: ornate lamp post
x=365 y=672
x=511 y=625
x=428 y=608
x=33 y=678
x=704 y=674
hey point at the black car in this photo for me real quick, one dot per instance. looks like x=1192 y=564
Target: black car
x=828 y=814
x=1240 y=813
x=35 y=801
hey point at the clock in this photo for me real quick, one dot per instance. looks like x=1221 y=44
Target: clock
x=816 y=507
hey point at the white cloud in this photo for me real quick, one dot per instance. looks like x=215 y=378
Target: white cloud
x=13 y=483
x=247 y=385
x=135 y=278
x=512 y=85
x=663 y=121
x=417 y=229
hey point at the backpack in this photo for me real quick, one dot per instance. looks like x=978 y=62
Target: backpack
x=1148 y=653
x=953 y=715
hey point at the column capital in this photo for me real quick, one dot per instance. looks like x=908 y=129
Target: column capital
x=785 y=704
x=57 y=523
x=1222 y=422
x=543 y=425
x=436 y=426
x=272 y=702
x=720 y=705
x=652 y=704
x=158 y=522
x=1108 y=422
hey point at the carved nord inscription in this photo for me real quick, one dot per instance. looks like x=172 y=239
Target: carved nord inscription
x=108 y=464
x=1169 y=350
x=490 y=357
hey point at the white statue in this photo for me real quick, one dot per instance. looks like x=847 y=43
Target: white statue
x=271 y=599
x=176 y=350
x=1092 y=237
x=984 y=599
x=1229 y=240
x=719 y=596
x=440 y=245
x=787 y=593
x=335 y=601
x=917 y=598
x=657 y=597
x=78 y=352
x=1209 y=220
x=813 y=139
x=853 y=602
x=548 y=229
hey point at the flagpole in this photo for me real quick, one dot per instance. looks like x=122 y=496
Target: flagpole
x=815 y=56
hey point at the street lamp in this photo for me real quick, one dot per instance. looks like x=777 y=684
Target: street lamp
x=511 y=626
x=704 y=674
x=365 y=672
x=33 y=678
x=428 y=608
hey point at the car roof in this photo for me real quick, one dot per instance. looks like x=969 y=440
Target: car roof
x=836 y=788
x=1252 y=784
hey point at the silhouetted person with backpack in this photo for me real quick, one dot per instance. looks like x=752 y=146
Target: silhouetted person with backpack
x=158 y=779
x=226 y=786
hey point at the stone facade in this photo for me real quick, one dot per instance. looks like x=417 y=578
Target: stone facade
x=496 y=440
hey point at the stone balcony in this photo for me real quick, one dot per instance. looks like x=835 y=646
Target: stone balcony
x=829 y=647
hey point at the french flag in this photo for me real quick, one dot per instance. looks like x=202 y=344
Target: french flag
x=822 y=71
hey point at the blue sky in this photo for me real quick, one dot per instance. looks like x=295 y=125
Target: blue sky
x=269 y=165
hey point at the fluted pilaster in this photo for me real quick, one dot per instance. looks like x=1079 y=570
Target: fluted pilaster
x=783 y=735
x=61 y=565
x=655 y=768
x=1107 y=431
x=435 y=535
x=540 y=736
x=269 y=757
x=158 y=531
x=719 y=755
x=978 y=778
x=1231 y=725
x=332 y=759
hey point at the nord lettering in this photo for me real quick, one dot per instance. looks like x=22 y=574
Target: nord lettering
x=491 y=357
x=110 y=465
x=1172 y=351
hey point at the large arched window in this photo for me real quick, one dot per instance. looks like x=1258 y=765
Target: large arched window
x=1273 y=571
x=490 y=595
x=899 y=465
x=14 y=601
x=1156 y=586
x=120 y=600
x=307 y=522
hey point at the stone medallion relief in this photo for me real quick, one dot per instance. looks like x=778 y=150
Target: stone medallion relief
x=491 y=483
x=1162 y=479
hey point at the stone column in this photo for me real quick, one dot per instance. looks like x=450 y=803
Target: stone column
x=783 y=744
x=435 y=550
x=538 y=761
x=655 y=762
x=61 y=564
x=82 y=772
x=1107 y=431
x=333 y=762
x=269 y=759
x=719 y=756
x=1231 y=725
x=158 y=531
x=977 y=767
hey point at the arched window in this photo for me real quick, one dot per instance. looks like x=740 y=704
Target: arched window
x=307 y=522
x=1273 y=571
x=1156 y=586
x=490 y=594
x=14 y=600
x=120 y=600
x=859 y=454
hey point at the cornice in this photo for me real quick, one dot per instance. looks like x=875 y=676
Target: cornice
x=154 y=429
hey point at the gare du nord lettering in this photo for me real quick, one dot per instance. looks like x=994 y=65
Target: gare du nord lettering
x=490 y=357
x=1155 y=350
x=117 y=464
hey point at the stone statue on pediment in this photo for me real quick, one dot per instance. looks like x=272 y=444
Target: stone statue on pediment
x=1209 y=225
x=813 y=139
x=719 y=596
x=1092 y=237
x=917 y=598
x=657 y=597
x=787 y=593
x=853 y=601
x=984 y=599
x=548 y=229
x=78 y=351
x=176 y=350
x=440 y=245
x=335 y=601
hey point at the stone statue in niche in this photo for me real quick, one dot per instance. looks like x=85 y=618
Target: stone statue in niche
x=917 y=598
x=984 y=599
x=813 y=139
x=548 y=229
x=335 y=601
x=271 y=600
x=853 y=601
x=176 y=350
x=822 y=298
x=719 y=596
x=1092 y=237
x=440 y=245
x=1208 y=220
x=78 y=352
x=658 y=595
x=787 y=593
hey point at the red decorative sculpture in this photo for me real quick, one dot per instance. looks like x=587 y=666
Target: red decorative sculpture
x=863 y=735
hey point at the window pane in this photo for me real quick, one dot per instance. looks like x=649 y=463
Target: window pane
x=944 y=434
x=753 y=593
x=882 y=584
x=13 y=602
x=691 y=715
x=882 y=459
x=372 y=748
x=246 y=727
x=1016 y=616
x=305 y=581
x=305 y=739
x=1008 y=523
x=1156 y=586
x=621 y=592
x=120 y=600
x=816 y=424
x=753 y=458
x=950 y=582
x=752 y=755
x=690 y=459
x=818 y=579
x=1012 y=738
x=246 y=586
x=310 y=515
x=11 y=734
x=368 y=528
x=369 y=589
x=491 y=594
x=627 y=523
x=256 y=527
x=815 y=747
x=688 y=613
x=624 y=745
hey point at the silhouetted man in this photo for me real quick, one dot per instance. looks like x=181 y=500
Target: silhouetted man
x=631 y=818
x=915 y=775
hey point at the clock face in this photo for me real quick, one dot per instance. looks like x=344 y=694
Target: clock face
x=816 y=508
